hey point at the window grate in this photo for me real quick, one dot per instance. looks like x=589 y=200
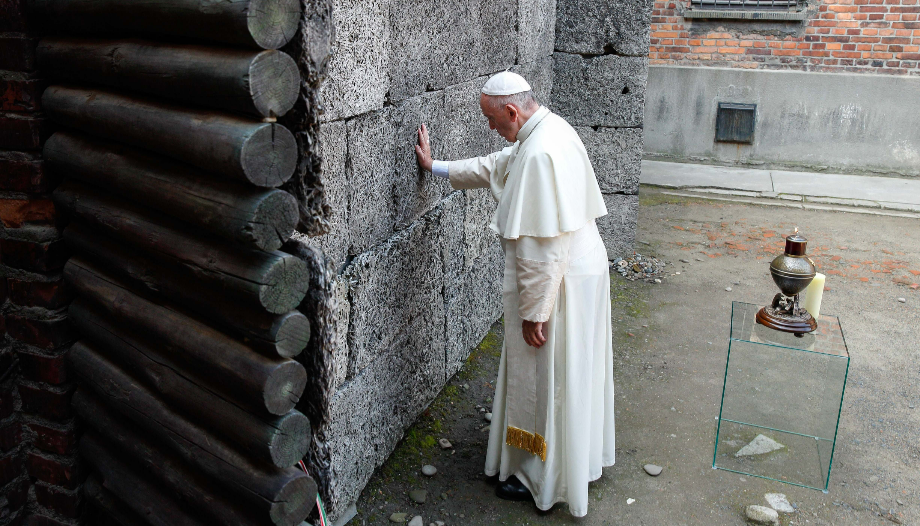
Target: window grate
x=743 y=4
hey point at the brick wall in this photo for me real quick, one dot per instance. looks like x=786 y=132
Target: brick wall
x=855 y=36
x=39 y=471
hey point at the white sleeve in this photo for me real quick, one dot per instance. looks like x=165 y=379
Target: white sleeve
x=440 y=169
x=541 y=263
x=472 y=173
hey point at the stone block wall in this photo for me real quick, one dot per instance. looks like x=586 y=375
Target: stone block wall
x=39 y=470
x=600 y=72
x=418 y=271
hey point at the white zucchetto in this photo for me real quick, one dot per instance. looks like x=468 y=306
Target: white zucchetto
x=505 y=83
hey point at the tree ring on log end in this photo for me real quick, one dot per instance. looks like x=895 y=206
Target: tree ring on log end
x=285 y=284
x=274 y=220
x=292 y=440
x=273 y=23
x=274 y=83
x=292 y=333
x=294 y=501
x=269 y=156
x=284 y=387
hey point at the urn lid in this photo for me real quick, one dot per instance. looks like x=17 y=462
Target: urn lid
x=795 y=244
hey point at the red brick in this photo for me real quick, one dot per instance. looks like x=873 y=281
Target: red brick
x=39 y=368
x=29 y=255
x=16 y=213
x=47 y=334
x=68 y=503
x=10 y=435
x=20 y=95
x=61 y=441
x=48 y=294
x=25 y=175
x=17 y=53
x=58 y=472
x=10 y=467
x=52 y=403
x=21 y=132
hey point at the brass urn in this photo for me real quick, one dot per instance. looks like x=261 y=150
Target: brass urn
x=792 y=272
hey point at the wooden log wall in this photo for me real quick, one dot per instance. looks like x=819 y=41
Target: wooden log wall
x=188 y=310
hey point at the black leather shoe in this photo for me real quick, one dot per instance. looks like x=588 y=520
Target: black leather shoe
x=513 y=489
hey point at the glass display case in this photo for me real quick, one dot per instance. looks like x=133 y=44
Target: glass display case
x=781 y=400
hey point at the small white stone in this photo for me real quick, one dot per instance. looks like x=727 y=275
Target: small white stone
x=428 y=470
x=652 y=469
x=488 y=417
x=759 y=446
x=778 y=502
x=444 y=443
x=673 y=435
x=873 y=479
x=417 y=521
x=761 y=515
x=630 y=501
x=728 y=289
x=657 y=280
x=902 y=300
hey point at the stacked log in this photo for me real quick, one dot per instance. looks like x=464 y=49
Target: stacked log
x=187 y=309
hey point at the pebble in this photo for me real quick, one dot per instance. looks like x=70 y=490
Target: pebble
x=728 y=289
x=398 y=517
x=902 y=300
x=417 y=521
x=444 y=443
x=488 y=417
x=685 y=261
x=778 y=502
x=418 y=496
x=428 y=470
x=900 y=502
x=482 y=409
x=630 y=501
x=652 y=469
x=486 y=429
x=760 y=445
x=673 y=435
x=761 y=515
x=443 y=497
x=673 y=409
x=873 y=479
x=466 y=386
x=657 y=280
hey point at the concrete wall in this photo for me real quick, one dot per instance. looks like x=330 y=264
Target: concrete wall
x=418 y=269
x=814 y=121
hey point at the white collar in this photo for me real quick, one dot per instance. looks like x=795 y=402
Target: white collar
x=532 y=123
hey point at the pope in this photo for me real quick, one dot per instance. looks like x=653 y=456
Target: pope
x=552 y=420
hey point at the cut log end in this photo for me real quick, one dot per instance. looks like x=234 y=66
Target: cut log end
x=290 y=444
x=284 y=386
x=269 y=156
x=285 y=285
x=274 y=83
x=292 y=333
x=274 y=220
x=294 y=501
x=273 y=23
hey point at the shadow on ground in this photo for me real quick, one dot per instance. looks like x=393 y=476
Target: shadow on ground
x=670 y=346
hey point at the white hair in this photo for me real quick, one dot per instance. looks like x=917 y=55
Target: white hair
x=523 y=101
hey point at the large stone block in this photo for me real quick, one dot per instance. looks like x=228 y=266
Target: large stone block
x=478 y=237
x=464 y=131
x=333 y=138
x=616 y=154
x=618 y=227
x=371 y=169
x=474 y=302
x=396 y=295
x=452 y=233
x=357 y=78
x=342 y=315
x=539 y=74
x=606 y=90
x=369 y=415
x=536 y=29
x=438 y=44
x=415 y=191
x=613 y=26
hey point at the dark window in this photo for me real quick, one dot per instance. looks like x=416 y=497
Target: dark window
x=759 y=5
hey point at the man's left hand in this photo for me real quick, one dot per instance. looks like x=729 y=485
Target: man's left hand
x=533 y=333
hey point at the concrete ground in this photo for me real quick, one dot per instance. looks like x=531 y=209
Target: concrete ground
x=670 y=343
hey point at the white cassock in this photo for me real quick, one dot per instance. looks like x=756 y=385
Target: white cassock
x=552 y=418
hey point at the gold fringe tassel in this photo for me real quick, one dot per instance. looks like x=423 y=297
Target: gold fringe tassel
x=530 y=442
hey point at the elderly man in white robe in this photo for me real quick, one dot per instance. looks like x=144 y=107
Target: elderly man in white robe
x=552 y=420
